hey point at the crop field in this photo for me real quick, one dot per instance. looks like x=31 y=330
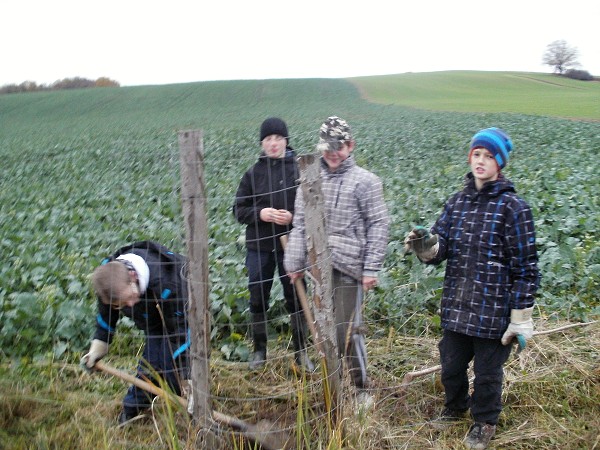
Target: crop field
x=86 y=171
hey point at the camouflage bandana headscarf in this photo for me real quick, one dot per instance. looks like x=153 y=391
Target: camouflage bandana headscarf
x=333 y=133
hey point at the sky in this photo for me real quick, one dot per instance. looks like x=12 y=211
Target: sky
x=146 y=42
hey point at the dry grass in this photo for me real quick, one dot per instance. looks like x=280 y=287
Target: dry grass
x=551 y=396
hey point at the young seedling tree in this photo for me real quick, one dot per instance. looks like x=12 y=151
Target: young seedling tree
x=560 y=56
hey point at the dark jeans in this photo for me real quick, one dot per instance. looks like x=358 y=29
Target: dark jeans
x=489 y=356
x=261 y=272
x=158 y=353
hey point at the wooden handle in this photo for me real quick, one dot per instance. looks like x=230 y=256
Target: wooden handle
x=153 y=389
x=301 y=291
x=146 y=386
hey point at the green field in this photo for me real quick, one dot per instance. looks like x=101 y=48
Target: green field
x=511 y=92
x=86 y=171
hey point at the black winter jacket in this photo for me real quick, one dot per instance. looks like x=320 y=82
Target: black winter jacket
x=488 y=240
x=162 y=307
x=269 y=183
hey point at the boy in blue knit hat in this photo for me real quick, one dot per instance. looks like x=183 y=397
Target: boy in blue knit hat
x=486 y=234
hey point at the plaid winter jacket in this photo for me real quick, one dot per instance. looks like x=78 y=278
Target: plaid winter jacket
x=488 y=240
x=356 y=218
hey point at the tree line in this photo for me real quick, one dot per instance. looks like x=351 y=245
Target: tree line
x=65 y=83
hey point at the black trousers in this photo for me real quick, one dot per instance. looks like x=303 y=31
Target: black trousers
x=488 y=355
x=261 y=274
x=159 y=357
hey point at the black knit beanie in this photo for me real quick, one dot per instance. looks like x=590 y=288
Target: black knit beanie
x=274 y=125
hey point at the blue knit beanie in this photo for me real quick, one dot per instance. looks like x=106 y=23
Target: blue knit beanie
x=496 y=141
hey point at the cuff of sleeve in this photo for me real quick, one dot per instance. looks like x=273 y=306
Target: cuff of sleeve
x=521 y=315
x=370 y=273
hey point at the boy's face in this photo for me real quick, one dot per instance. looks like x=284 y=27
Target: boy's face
x=274 y=146
x=483 y=165
x=334 y=158
x=127 y=294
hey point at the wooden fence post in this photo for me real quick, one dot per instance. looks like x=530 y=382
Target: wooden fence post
x=319 y=257
x=193 y=197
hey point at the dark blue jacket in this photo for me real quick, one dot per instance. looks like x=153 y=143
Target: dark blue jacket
x=488 y=240
x=162 y=308
x=269 y=183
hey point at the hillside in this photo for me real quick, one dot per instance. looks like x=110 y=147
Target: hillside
x=464 y=91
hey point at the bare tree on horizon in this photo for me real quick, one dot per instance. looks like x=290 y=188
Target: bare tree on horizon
x=560 y=56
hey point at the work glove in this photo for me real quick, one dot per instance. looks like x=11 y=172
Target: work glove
x=423 y=244
x=188 y=393
x=521 y=324
x=98 y=350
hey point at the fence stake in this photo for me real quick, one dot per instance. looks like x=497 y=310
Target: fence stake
x=193 y=197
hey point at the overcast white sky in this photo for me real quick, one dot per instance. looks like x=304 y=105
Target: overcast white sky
x=138 y=42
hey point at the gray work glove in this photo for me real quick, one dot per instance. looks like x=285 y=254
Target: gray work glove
x=423 y=244
x=188 y=393
x=97 y=351
x=521 y=324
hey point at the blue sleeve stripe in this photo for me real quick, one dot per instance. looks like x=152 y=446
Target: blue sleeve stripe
x=183 y=348
x=165 y=294
x=104 y=261
x=103 y=324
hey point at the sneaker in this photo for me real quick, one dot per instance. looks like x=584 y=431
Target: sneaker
x=364 y=401
x=302 y=362
x=479 y=435
x=258 y=360
x=127 y=417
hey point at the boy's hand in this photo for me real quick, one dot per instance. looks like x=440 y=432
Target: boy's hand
x=369 y=283
x=422 y=243
x=293 y=276
x=277 y=216
x=521 y=323
x=98 y=350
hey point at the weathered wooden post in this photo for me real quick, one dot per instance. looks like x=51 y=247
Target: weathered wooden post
x=193 y=197
x=319 y=257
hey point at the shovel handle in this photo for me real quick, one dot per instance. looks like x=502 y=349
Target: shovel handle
x=233 y=422
x=302 y=297
x=146 y=386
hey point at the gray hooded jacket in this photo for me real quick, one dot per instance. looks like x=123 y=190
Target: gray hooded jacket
x=357 y=222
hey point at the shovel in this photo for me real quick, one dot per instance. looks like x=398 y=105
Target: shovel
x=262 y=434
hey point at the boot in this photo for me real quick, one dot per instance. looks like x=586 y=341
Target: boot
x=298 y=327
x=259 y=336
